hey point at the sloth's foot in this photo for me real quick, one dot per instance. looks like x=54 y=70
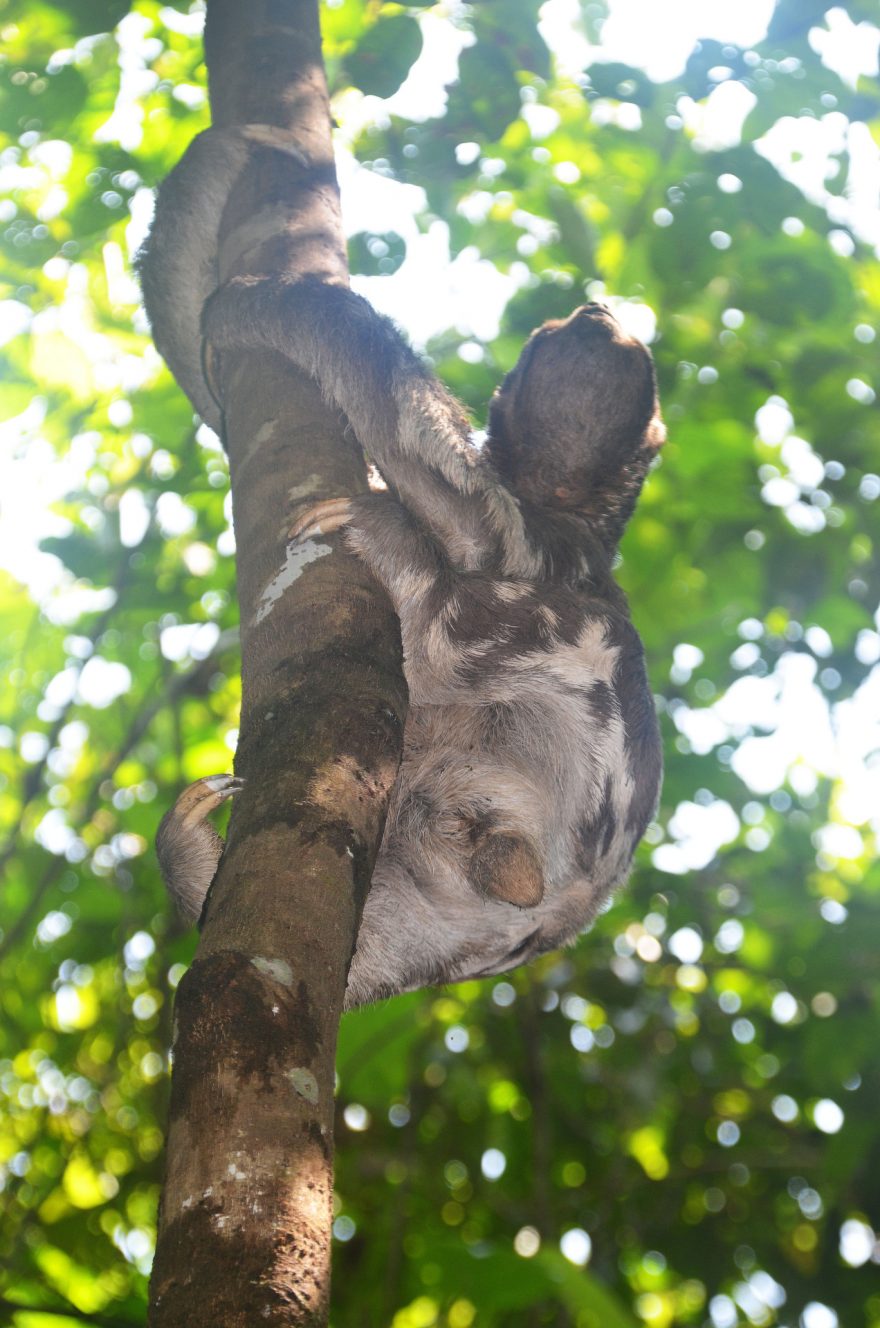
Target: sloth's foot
x=204 y=796
x=320 y=519
x=187 y=845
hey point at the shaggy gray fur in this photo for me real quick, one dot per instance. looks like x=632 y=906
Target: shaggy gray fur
x=531 y=758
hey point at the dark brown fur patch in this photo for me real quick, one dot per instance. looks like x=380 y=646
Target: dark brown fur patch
x=507 y=868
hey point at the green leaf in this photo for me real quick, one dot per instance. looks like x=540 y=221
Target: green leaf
x=383 y=56
x=486 y=97
x=513 y=30
x=376 y=255
x=622 y=82
x=581 y=1290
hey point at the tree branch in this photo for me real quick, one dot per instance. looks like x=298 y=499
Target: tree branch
x=246 y=1211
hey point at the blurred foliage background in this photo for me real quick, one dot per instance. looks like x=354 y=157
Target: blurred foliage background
x=676 y=1123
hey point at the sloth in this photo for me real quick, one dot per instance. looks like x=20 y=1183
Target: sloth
x=531 y=762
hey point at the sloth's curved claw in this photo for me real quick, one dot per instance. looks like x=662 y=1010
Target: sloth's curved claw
x=320 y=519
x=187 y=845
x=204 y=796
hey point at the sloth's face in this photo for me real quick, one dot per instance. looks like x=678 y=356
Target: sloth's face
x=579 y=404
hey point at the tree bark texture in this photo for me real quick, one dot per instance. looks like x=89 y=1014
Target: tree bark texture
x=245 y=1218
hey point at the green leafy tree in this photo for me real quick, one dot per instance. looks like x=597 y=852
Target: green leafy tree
x=674 y=1123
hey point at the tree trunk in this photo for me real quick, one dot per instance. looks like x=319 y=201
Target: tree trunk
x=244 y=1231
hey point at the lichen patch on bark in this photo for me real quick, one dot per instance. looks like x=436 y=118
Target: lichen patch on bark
x=279 y=969
x=259 y=1023
x=305 y=1083
x=306 y=488
x=296 y=558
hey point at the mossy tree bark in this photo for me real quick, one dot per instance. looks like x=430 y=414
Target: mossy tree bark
x=244 y=1233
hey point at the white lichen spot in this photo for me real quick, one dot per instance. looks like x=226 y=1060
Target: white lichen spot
x=276 y=1009
x=297 y=556
x=236 y=1174
x=219 y=1222
x=265 y=433
x=305 y=1083
x=206 y=1194
x=188 y=1202
x=311 y=484
x=279 y=969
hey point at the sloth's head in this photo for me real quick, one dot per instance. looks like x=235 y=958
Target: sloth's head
x=576 y=423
